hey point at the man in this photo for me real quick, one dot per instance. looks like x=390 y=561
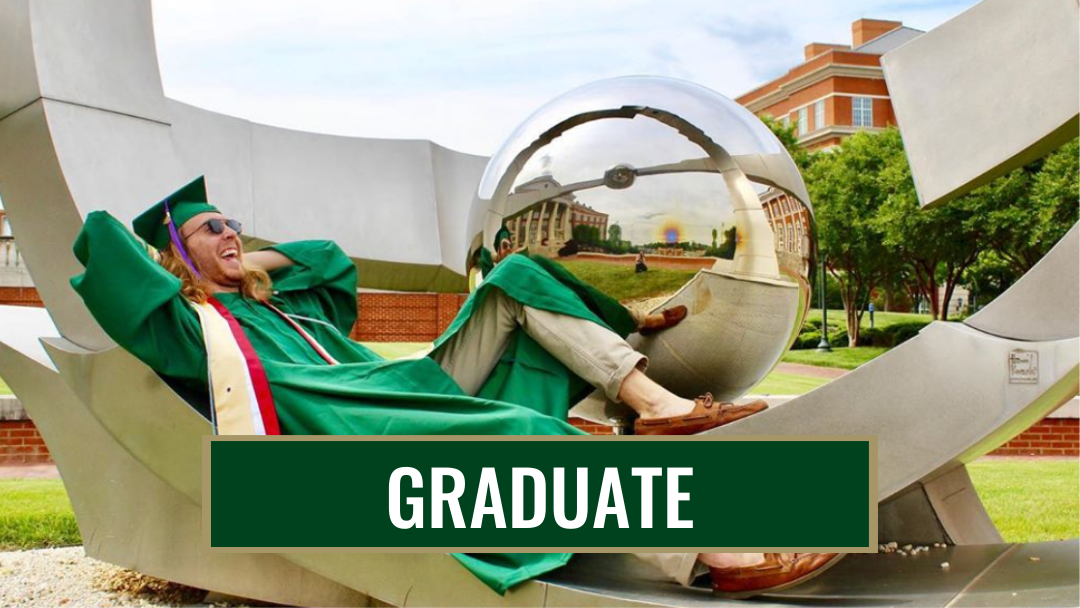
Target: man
x=267 y=332
x=621 y=319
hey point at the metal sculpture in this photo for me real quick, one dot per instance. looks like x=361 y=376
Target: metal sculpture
x=674 y=170
x=75 y=138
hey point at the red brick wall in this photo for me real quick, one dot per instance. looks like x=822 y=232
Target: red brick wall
x=590 y=427
x=1048 y=437
x=20 y=443
x=20 y=296
x=405 y=317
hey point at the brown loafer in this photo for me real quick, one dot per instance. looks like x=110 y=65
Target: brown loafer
x=707 y=414
x=779 y=571
x=665 y=319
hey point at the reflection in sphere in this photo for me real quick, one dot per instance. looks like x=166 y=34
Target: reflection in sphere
x=690 y=180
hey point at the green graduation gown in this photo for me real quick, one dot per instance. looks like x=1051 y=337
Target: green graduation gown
x=139 y=304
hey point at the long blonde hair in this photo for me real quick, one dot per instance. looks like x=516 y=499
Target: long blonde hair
x=255 y=285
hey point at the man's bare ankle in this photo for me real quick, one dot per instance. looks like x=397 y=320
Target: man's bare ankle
x=669 y=408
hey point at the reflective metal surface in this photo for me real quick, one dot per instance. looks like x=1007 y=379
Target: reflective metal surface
x=977 y=575
x=1042 y=307
x=935 y=402
x=661 y=192
x=1013 y=57
x=74 y=139
x=1028 y=575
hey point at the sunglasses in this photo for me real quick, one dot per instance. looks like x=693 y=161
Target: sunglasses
x=217 y=226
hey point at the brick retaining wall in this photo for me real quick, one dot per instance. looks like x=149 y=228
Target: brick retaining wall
x=20 y=296
x=590 y=427
x=20 y=443
x=1048 y=437
x=404 y=317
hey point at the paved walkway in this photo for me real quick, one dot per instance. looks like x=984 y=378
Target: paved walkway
x=814 y=371
x=29 y=471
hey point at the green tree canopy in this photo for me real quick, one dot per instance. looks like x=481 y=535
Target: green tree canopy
x=614 y=233
x=1024 y=213
x=847 y=195
x=787 y=135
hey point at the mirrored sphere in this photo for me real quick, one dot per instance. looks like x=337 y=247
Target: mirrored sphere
x=660 y=193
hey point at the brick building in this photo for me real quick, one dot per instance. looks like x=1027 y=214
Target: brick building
x=790 y=223
x=838 y=89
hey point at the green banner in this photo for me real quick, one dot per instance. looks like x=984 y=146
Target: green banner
x=533 y=493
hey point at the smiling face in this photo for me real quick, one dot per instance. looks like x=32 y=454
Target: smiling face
x=217 y=256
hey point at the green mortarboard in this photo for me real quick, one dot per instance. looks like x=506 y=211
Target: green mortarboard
x=184 y=204
x=502 y=233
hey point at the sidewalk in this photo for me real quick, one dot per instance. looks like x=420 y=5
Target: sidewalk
x=798 y=369
x=29 y=471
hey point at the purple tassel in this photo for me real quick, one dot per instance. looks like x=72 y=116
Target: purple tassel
x=175 y=236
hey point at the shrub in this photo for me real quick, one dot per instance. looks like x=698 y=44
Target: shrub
x=839 y=338
x=808 y=339
x=902 y=332
x=870 y=336
x=877 y=336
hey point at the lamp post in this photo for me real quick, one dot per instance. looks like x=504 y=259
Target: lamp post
x=824 y=346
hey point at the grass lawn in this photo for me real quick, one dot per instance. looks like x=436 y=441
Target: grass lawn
x=1030 y=500
x=623 y=284
x=4 y=388
x=396 y=350
x=35 y=513
x=779 y=383
x=844 y=358
x=837 y=319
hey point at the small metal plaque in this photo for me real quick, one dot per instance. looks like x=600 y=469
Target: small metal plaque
x=1023 y=367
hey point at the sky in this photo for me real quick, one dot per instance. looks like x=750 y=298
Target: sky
x=465 y=73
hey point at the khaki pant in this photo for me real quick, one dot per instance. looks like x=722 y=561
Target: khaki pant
x=596 y=354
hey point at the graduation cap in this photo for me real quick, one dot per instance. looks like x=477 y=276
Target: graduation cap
x=159 y=225
x=502 y=233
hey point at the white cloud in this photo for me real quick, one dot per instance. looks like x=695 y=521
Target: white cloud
x=465 y=73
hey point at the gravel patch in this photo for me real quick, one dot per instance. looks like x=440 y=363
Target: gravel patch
x=66 y=577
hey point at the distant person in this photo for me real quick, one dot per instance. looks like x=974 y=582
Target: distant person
x=640 y=265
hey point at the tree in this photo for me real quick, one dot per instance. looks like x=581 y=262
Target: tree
x=1056 y=191
x=989 y=276
x=786 y=134
x=714 y=238
x=939 y=244
x=1024 y=213
x=614 y=232
x=586 y=235
x=727 y=247
x=847 y=195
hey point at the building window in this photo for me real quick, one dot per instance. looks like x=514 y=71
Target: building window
x=786 y=121
x=819 y=115
x=862 y=112
x=803 y=121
